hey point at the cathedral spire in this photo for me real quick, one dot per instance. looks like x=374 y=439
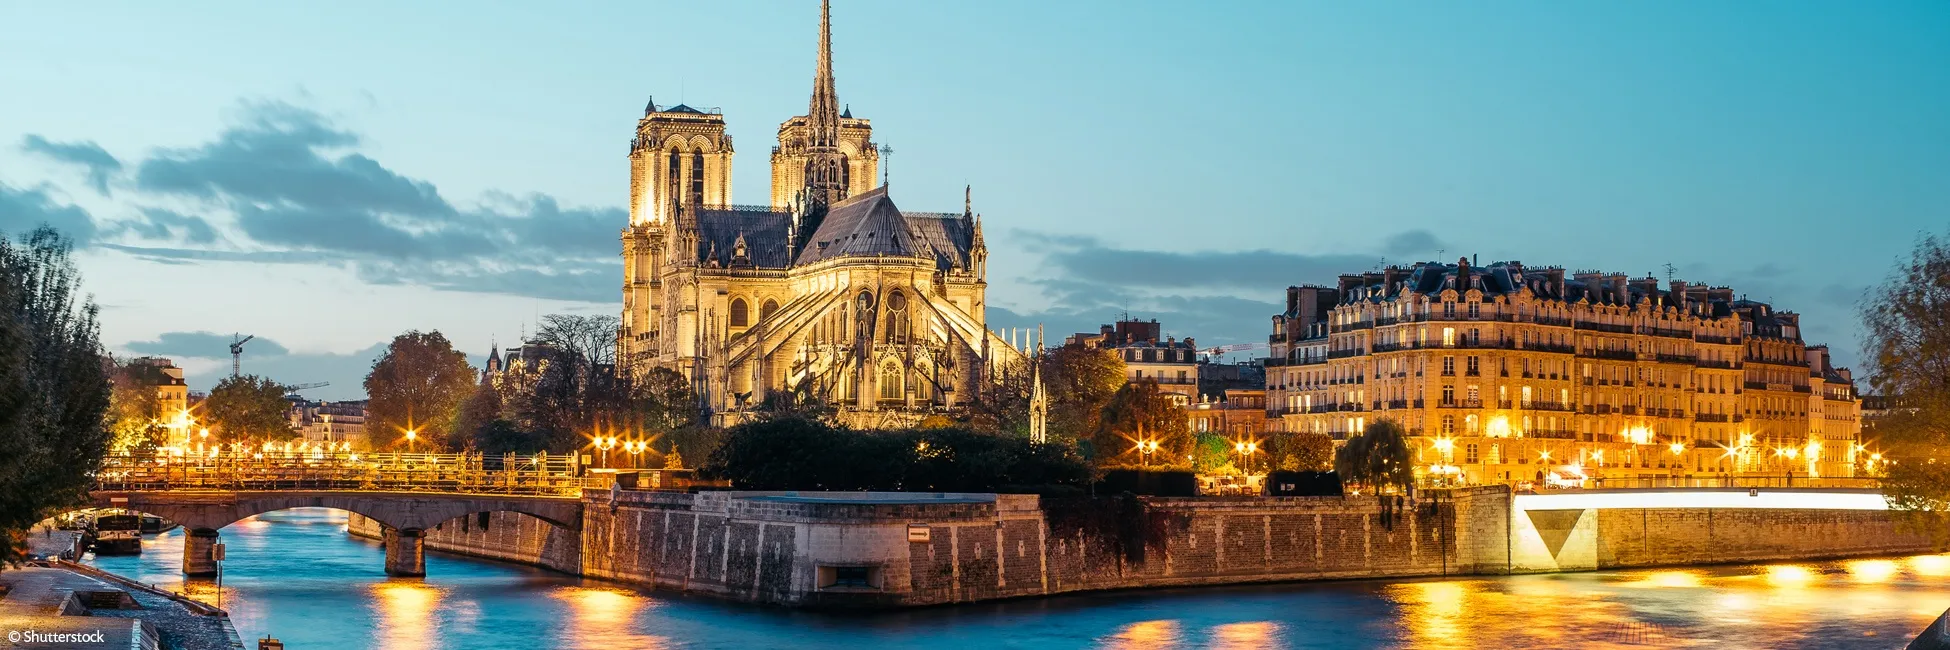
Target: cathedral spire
x=650 y=105
x=825 y=184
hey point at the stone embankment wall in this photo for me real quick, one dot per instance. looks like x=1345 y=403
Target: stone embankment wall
x=1640 y=537
x=878 y=550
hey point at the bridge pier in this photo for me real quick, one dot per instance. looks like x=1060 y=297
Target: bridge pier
x=405 y=552
x=197 y=549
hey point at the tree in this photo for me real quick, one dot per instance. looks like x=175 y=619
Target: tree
x=417 y=384
x=483 y=406
x=496 y=437
x=1140 y=412
x=1305 y=452
x=1379 y=459
x=135 y=417
x=673 y=460
x=1906 y=333
x=587 y=344
x=54 y=386
x=1080 y=381
x=248 y=407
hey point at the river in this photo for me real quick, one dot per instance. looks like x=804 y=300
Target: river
x=298 y=576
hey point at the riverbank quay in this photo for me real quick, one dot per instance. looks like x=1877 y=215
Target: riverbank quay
x=889 y=550
x=66 y=605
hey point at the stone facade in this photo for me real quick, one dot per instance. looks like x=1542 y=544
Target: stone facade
x=886 y=550
x=830 y=293
x=1510 y=373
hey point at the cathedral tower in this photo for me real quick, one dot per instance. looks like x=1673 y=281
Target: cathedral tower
x=825 y=155
x=680 y=160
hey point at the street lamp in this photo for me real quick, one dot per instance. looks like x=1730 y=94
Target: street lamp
x=606 y=444
x=1246 y=451
x=411 y=435
x=634 y=449
x=1145 y=450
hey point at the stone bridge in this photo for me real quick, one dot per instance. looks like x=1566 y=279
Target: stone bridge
x=405 y=515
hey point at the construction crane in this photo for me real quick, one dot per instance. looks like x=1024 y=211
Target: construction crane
x=237 y=351
x=292 y=389
x=1229 y=349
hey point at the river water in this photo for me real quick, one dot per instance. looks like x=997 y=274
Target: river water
x=297 y=575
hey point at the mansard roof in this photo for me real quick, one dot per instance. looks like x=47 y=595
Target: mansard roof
x=870 y=225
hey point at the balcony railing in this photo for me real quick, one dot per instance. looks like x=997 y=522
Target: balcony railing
x=1558 y=348
x=1614 y=328
x=1554 y=434
x=1619 y=355
x=1675 y=358
x=1716 y=340
x=1711 y=417
x=1717 y=363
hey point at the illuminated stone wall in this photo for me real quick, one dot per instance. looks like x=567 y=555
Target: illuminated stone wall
x=932 y=549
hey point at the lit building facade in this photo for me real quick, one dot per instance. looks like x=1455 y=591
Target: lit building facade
x=172 y=397
x=830 y=293
x=1508 y=373
x=1172 y=363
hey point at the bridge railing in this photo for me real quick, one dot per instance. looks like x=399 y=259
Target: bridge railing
x=558 y=475
x=1735 y=482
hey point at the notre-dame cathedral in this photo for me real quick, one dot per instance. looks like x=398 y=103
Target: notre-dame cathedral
x=830 y=293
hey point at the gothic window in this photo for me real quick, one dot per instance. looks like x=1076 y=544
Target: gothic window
x=899 y=323
x=766 y=311
x=890 y=380
x=697 y=178
x=740 y=315
x=844 y=176
x=675 y=175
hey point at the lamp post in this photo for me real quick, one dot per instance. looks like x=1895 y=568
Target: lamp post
x=605 y=444
x=635 y=449
x=1145 y=450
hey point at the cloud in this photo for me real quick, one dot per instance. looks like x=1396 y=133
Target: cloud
x=22 y=210
x=157 y=223
x=294 y=189
x=203 y=345
x=1412 y=244
x=1085 y=259
x=99 y=163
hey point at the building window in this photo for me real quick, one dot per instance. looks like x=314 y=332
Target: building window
x=1448 y=366
x=1448 y=425
x=1448 y=395
x=1470 y=456
x=1448 y=337
x=740 y=314
x=766 y=311
x=697 y=178
x=890 y=381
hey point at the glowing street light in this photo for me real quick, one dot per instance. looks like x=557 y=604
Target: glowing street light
x=606 y=444
x=1145 y=449
x=411 y=435
x=1677 y=448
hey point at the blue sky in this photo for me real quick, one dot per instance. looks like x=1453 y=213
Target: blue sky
x=328 y=175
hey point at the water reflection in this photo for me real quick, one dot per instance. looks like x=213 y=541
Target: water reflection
x=296 y=575
x=406 y=610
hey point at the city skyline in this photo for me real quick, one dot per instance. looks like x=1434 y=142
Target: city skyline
x=1791 y=155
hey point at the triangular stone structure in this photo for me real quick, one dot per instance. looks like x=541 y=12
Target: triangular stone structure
x=1554 y=526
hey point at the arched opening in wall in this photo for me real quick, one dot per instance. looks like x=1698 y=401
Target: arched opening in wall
x=899 y=322
x=740 y=313
x=767 y=310
x=697 y=177
x=891 y=388
x=845 y=176
x=673 y=179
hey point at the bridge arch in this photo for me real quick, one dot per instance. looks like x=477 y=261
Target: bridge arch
x=404 y=515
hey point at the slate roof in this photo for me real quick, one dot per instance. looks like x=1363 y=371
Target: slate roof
x=870 y=225
x=765 y=231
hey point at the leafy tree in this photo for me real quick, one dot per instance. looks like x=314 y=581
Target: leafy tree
x=1304 y=452
x=54 y=386
x=135 y=408
x=1378 y=458
x=1080 y=382
x=248 y=407
x=673 y=460
x=498 y=436
x=483 y=406
x=807 y=454
x=1140 y=412
x=1212 y=454
x=1906 y=332
x=418 y=383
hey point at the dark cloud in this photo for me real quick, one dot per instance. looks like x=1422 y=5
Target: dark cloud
x=297 y=186
x=25 y=209
x=1084 y=259
x=1413 y=244
x=157 y=223
x=90 y=156
x=204 y=345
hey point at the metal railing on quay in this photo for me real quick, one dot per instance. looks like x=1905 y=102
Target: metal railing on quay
x=539 y=475
x=1776 y=481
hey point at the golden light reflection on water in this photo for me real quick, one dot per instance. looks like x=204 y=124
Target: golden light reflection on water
x=406 y=614
x=1666 y=580
x=1789 y=576
x=1246 y=636
x=1145 y=634
x=1930 y=565
x=602 y=618
x=1871 y=570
